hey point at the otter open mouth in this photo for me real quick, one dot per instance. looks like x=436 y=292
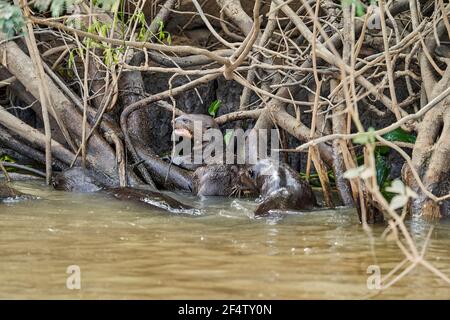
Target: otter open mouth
x=182 y=132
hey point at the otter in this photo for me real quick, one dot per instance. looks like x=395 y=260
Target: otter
x=76 y=180
x=184 y=126
x=82 y=180
x=279 y=186
x=213 y=179
x=221 y=180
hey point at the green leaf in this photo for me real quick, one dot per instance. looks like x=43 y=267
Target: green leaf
x=365 y=137
x=71 y=60
x=57 y=7
x=93 y=27
x=360 y=11
x=359 y=7
x=400 y=135
x=141 y=19
x=7 y=158
x=11 y=20
x=386 y=194
x=42 y=5
x=382 y=150
x=142 y=35
x=104 y=30
x=383 y=169
x=161 y=26
x=214 y=107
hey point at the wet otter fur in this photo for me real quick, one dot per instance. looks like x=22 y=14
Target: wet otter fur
x=78 y=180
x=220 y=180
x=279 y=186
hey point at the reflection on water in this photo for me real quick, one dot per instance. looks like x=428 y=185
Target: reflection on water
x=127 y=251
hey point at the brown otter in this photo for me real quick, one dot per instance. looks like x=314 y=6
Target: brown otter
x=185 y=126
x=220 y=180
x=78 y=180
x=280 y=187
x=216 y=179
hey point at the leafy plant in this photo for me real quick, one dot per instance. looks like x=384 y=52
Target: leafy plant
x=383 y=168
x=365 y=137
x=111 y=55
x=163 y=35
x=214 y=107
x=314 y=179
x=78 y=51
x=7 y=158
x=143 y=34
x=399 y=135
x=359 y=7
x=11 y=20
x=56 y=6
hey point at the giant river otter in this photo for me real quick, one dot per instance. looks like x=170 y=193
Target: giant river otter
x=221 y=180
x=279 y=186
x=79 y=180
x=184 y=126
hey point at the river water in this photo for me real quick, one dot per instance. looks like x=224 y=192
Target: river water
x=127 y=251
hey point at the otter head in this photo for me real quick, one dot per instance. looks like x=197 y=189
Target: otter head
x=255 y=176
x=185 y=125
x=76 y=179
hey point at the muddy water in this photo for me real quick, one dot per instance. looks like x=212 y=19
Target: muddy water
x=127 y=251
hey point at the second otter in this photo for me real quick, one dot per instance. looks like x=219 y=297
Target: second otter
x=221 y=180
x=78 y=180
x=280 y=187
